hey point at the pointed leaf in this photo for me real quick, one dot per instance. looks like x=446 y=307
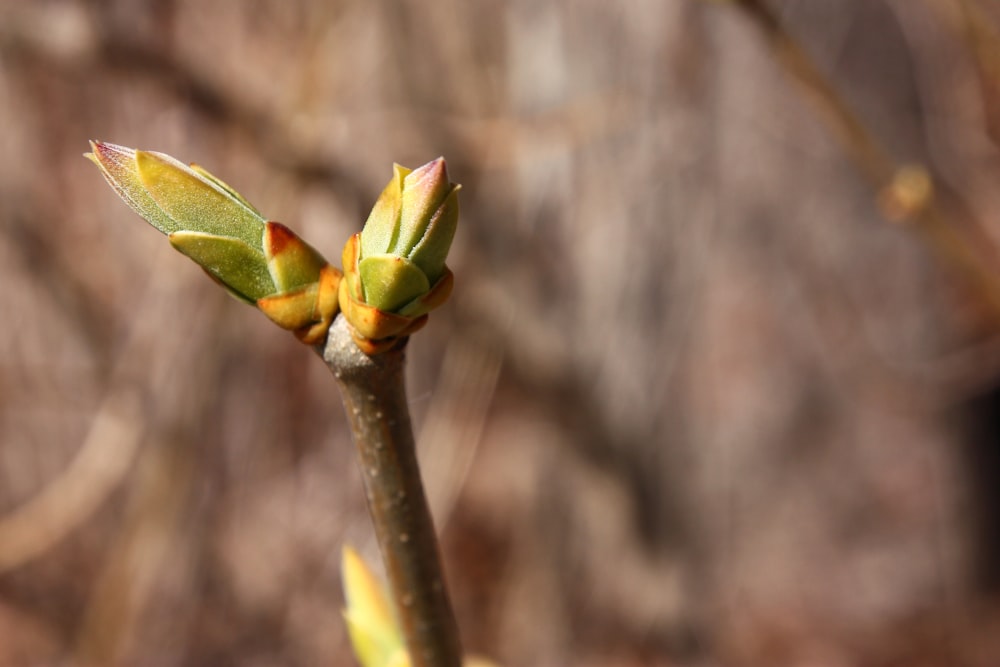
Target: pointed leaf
x=201 y=171
x=117 y=165
x=390 y=281
x=374 y=633
x=431 y=250
x=424 y=189
x=197 y=204
x=382 y=228
x=237 y=265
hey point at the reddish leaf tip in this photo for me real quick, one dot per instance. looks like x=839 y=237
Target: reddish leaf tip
x=278 y=237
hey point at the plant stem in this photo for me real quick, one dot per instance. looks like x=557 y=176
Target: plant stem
x=374 y=397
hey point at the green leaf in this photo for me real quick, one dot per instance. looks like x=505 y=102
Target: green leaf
x=225 y=186
x=234 y=263
x=195 y=203
x=424 y=190
x=117 y=165
x=382 y=227
x=390 y=281
x=374 y=633
x=432 y=249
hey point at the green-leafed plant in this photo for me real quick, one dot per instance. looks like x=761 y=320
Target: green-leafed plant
x=358 y=320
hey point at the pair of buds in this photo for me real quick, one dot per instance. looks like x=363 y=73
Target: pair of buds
x=394 y=269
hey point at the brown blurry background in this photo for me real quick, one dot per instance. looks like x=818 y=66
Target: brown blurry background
x=694 y=401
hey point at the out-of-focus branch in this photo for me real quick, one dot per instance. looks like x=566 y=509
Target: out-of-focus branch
x=876 y=164
x=983 y=41
x=72 y=497
x=905 y=192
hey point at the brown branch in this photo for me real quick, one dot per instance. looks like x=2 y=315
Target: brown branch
x=375 y=400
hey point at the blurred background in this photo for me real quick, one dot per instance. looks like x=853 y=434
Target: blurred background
x=695 y=401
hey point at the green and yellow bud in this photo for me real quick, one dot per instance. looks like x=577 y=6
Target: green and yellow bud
x=407 y=236
x=395 y=269
x=375 y=634
x=371 y=625
x=260 y=262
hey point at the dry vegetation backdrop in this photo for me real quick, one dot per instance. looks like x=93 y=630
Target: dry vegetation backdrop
x=694 y=401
